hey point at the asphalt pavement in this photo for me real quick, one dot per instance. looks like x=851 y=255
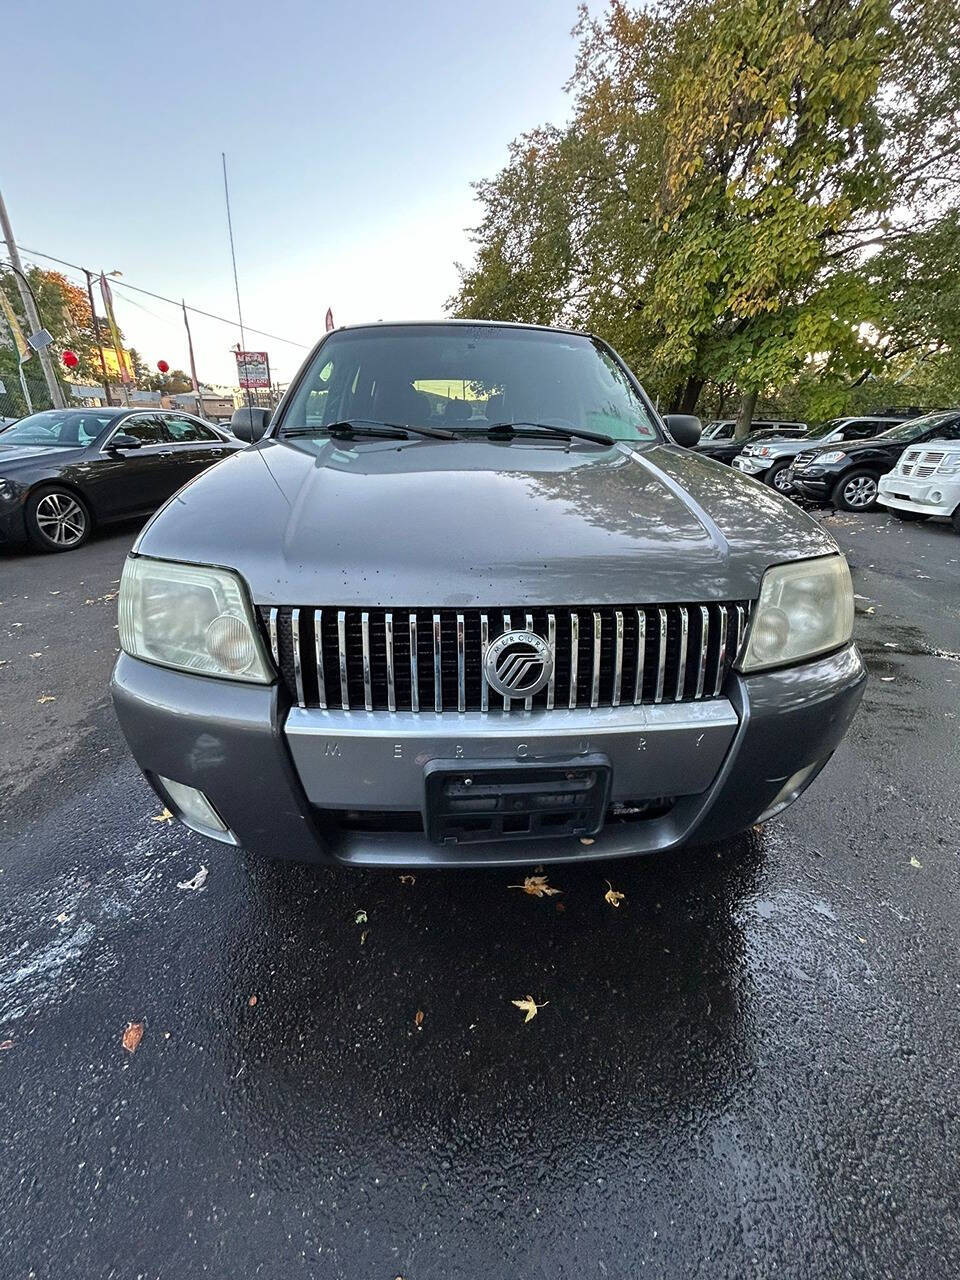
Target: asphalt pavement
x=749 y=1067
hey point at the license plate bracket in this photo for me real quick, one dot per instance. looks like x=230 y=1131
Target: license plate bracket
x=472 y=802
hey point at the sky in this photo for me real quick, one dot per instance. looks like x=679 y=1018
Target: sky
x=352 y=131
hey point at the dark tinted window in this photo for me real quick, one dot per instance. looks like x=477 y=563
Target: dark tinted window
x=467 y=377
x=184 y=431
x=146 y=429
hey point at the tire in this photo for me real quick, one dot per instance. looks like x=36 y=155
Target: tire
x=908 y=515
x=776 y=477
x=955 y=520
x=57 y=519
x=856 y=491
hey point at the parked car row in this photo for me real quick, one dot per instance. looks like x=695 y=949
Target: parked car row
x=907 y=461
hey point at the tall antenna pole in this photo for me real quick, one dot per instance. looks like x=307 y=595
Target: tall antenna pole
x=233 y=256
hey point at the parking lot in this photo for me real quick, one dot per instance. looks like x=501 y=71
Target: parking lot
x=748 y=1067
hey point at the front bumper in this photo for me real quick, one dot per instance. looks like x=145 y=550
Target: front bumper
x=931 y=496
x=12 y=526
x=815 y=483
x=279 y=778
x=751 y=466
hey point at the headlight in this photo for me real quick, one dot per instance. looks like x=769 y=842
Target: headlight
x=192 y=617
x=834 y=455
x=8 y=490
x=805 y=608
x=764 y=452
x=948 y=467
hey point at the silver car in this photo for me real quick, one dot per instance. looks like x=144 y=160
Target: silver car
x=467 y=600
x=770 y=460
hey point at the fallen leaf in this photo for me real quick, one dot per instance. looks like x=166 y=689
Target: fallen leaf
x=408 y=879
x=613 y=896
x=47 y=697
x=859 y=939
x=363 y=936
x=6 y=1044
x=196 y=882
x=62 y=918
x=418 y=1019
x=163 y=816
x=252 y=1001
x=870 y=610
x=132 y=1035
x=536 y=886
x=915 y=863
x=530 y=1006
x=360 y=917
x=586 y=840
x=36 y=655
x=887 y=679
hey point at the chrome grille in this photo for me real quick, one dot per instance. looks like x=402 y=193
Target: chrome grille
x=802 y=461
x=422 y=659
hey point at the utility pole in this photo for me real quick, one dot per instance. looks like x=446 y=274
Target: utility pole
x=96 y=333
x=26 y=297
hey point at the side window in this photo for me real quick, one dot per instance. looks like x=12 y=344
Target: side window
x=860 y=430
x=949 y=432
x=146 y=429
x=183 y=431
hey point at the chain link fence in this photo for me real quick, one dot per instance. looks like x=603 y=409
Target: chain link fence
x=18 y=398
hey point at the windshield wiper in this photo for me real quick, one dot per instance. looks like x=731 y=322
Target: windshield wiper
x=369 y=428
x=507 y=429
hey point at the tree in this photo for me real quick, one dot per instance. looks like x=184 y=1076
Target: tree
x=65 y=311
x=728 y=166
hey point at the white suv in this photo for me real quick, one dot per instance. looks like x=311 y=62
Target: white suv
x=925 y=482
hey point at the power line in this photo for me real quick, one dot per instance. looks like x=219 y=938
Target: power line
x=48 y=257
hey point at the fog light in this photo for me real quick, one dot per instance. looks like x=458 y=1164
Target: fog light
x=936 y=496
x=790 y=790
x=194 y=809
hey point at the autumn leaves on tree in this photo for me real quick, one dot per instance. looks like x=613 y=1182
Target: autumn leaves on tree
x=737 y=198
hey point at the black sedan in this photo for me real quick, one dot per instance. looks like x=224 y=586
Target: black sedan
x=66 y=470
x=849 y=475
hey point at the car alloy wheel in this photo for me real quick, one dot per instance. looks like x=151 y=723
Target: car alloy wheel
x=781 y=480
x=860 y=492
x=61 y=519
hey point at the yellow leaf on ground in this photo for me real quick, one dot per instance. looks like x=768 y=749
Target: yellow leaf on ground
x=163 y=816
x=613 y=896
x=418 y=1019
x=536 y=886
x=408 y=879
x=915 y=863
x=47 y=697
x=252 y=1001
x=132 y=1035
x=530 y=1006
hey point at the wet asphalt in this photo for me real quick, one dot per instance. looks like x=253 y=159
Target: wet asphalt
x=748 y=1068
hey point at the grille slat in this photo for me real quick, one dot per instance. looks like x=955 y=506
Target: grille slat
x=408 y=659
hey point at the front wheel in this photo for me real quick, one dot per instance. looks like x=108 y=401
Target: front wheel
x=955 y=520
x=777 y=477
x=908 y=515
x=57 y=519
x=856 y=492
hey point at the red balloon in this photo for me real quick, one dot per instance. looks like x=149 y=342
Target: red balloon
x=70 y=359
x=162 y=366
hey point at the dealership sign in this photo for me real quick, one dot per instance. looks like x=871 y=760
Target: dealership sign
x=253 y=369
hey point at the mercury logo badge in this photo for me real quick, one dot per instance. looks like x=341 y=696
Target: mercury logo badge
x=518 y=664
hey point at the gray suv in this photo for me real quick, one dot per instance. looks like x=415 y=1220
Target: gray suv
x=769 y=460
x=467 y=600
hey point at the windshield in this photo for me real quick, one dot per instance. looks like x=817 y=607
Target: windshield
x=916 y=427
x=58 y=428
x=467 y=378
x=717 y=430
x=824 y=428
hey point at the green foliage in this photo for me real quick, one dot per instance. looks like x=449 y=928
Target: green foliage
x=728 y=168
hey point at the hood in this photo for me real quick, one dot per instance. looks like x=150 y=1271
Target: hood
x=852 y=447
x=424 y=522
x=11 y=455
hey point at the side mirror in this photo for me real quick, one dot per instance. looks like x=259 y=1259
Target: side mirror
x=122 y=441
x=684 y=428
x=249 y=423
